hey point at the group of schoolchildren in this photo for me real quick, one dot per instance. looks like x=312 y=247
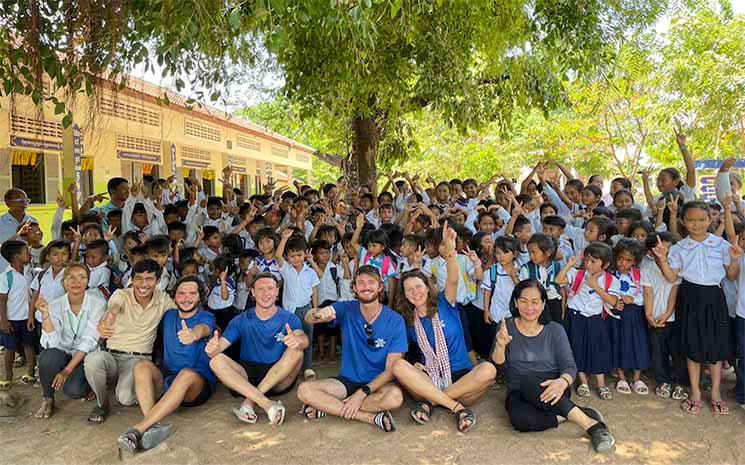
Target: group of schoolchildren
x=636 y=285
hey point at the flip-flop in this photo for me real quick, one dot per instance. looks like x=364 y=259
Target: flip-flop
x=97 y=415
x=155 y=435
x=583 y=390
x=691 y=407
x=622 y=386
x=380 y=421
x=5 y=385
x=246 y=414
x=309 y=375
x=719 y=407
x=315 y=415
x=605 y=393
x=28 y=379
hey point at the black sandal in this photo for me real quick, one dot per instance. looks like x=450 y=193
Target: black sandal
x=463 y=415
x=420 y=410
x=312 y=416
x=380 y=421
x=129 y=441
x=97 y=415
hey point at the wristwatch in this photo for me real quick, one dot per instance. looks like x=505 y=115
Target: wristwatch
x=366 y=389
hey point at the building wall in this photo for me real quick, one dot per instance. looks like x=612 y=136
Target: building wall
x=131 y=127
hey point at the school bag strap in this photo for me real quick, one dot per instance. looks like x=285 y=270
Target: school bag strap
x=9 y=276
x=636 y=275
x=335 y=277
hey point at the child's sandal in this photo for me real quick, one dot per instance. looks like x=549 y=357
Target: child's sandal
x=691 y=407
x=640 y=387
x=679 y=393
x=663 y=390
x=605 y=393
x=719 y=407
x=583 y=390
x=622 y=386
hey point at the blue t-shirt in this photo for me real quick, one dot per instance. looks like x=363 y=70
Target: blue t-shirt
x=177 y=356
x=362 y=362
x=262 y=339
x=453 y=331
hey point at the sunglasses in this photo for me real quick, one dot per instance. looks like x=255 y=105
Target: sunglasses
x=369 y=332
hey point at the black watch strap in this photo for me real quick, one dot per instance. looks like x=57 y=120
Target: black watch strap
x=366 y=389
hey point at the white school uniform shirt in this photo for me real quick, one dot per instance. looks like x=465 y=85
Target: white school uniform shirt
x=523 y=256
x=208 y=254
x=242 y=292
x=328 y=288
x=499 y=305
x=100 y=276
x=700 y=263
x=298 y=285
x=652 y=277
x=627 y=287
x=542 y=277
x=165 y=281
x=18 y=293
x=438 y=268
x=587 y=301
x=740 y=286
x=345 y=285
x=74 y=333
x=48 y=286
x=577 y=236
x=730 y=296
x=215 y=300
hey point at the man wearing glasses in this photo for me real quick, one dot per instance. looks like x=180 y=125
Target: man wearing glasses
x=16 y=201
x=374 y=339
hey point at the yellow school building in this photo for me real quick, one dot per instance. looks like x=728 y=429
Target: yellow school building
x=140 y=130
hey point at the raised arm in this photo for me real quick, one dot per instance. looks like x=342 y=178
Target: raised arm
x=447 y=251
x=687 y=158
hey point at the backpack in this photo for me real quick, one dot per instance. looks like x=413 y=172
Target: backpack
x=493 y=274
x=551 y=272
x=577 y=283
x=384 y=266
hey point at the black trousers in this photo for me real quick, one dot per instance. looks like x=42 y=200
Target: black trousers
x=528 y=412
x=51 y=362
x=668 y=366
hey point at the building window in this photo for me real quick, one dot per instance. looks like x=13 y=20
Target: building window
x=137 y=113
x=203 y=131
x=279 y=151
x=28 y=174
x=250 y=143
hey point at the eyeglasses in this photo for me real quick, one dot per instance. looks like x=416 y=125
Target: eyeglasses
x=369 y=331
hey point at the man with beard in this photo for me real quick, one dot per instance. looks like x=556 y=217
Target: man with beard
x=185 y=378
x=374 y=339
x=271 y=355
x=129 y=327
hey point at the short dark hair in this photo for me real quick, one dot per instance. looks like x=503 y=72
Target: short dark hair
x=554 y=220
x=545 y=243
x=651 y=241
x=147 y=265
x=213 y=201
x=296 y=244
x=601 y=251
x=507 y=244
x=190 y=279
x=518 y=290
x=623 y=182
x=319 y=244
x=56 y=244
x=11 y=248
x=102 y=245
x=520 y=223
x=631 y=214
x=577 y=184
x=114 y=183
x=114 y=213
x=176 y=226
x=634 y=247
x=158 y=244
x=209 y=231
x=414 y=239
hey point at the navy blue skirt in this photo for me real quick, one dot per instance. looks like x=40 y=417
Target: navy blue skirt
x=590 y=341
x=629 y=339
x=703 y=323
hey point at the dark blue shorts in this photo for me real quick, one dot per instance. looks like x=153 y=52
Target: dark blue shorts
x=19 y=337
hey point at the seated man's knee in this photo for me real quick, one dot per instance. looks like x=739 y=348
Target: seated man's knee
x=218 y=363
x=486 y=372
x=400 y=366
x=186 y=376
x=393 y=397
x=125 y=394
x=143 y=368
x=304 y=391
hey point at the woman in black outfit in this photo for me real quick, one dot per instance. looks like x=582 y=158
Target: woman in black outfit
x=540 y=369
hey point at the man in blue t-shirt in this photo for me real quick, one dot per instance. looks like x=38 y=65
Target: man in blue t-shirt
x=374 y=339
x=271 y=356
x=185 y=378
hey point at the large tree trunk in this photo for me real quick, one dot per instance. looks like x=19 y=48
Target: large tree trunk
x=361 y=168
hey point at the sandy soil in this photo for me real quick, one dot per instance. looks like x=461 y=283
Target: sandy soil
x=648 y=430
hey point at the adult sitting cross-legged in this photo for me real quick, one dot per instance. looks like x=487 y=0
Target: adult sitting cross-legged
x=445 y=376
x=540 y=369
x=68 y=334
x=129 y=326
x=185 y=378
x=271 y=355
x=374 y=338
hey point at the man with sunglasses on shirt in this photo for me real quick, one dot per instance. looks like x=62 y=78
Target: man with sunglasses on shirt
x=374 y=339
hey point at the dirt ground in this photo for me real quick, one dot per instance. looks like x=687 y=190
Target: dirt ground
x=648 y=430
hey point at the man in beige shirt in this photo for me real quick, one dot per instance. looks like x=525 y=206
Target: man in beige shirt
x=130 y=326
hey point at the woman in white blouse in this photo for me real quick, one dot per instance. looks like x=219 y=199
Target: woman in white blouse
x=68 y=334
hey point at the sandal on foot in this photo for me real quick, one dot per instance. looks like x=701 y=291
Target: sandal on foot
x=129 y=441
x=679 y=393
x=45 y=411
x=311 y=413
x=691 y=407
x=622 y=386
x=583 y=390
x=605 y=393
x=640 y=387
x=462 y=416
x=97 y=415
x=28 y=379
x=309 y=375
x=5 y=385
x=19 y=361
x=276 y=413
x=155 y=435
x=663 y=390
x=246 y=414
x=422 y=412
x=380 y=419
x=719 y=407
